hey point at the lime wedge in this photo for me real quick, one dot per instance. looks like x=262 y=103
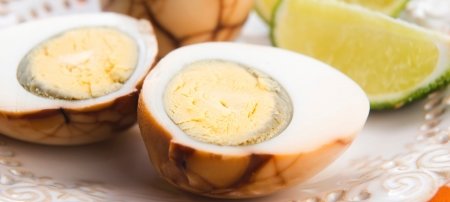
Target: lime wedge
x=394 y=62
x=388 y=7
x=265 y=9
x=393 y=8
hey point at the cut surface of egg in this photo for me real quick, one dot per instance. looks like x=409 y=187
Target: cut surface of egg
x=233 y=120
x=225 y=103
x=73 y=79
x=79 y=64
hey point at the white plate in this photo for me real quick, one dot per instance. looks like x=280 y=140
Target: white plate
x=401 y=155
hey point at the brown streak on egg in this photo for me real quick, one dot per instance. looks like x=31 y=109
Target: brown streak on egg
x=159 y=26
x=257 y=161
x=223 y=17
x=230 y=31
x=65 y=116
x=180 y=154
x=219 y=20
x=83 y=128
x=227 y=15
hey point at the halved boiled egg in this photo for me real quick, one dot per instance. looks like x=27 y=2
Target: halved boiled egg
x=232 y=120
x=74 y=79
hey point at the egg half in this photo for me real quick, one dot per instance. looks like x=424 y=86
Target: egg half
x=74 y=79
x=232 y=120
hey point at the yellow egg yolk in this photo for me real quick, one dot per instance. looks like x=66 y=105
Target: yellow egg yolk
x=80 y=64
x=225 y=103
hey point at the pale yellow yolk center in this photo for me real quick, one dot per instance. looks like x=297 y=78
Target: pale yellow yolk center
x=80 y=64
x=225 y=103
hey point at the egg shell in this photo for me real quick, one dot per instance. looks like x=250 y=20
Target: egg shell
x=179 y=22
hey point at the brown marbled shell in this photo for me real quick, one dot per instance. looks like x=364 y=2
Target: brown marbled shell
x=179 y=22
x=229 y=176
x=71 y=126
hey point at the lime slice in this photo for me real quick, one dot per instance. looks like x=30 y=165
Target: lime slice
x=393 y=8
x=394 y=62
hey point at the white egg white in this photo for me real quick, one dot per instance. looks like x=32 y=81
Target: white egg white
x=327 y=105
